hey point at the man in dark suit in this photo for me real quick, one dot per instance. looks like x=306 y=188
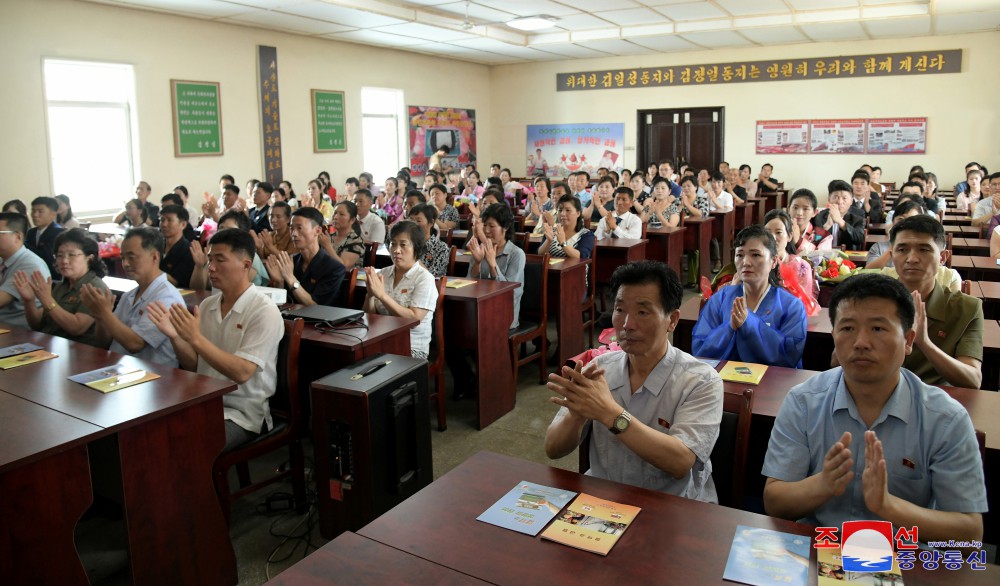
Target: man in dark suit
x=261 y=206
x=840 y=218
x=42 y=238
x=866 y=200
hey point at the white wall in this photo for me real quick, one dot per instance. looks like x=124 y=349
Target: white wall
x=164 y=47
x=961 y=108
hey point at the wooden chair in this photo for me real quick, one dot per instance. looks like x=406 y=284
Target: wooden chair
x=288 y=430
x=445 y=236
x=533 y=317
x=371 y=252
x=435 y=358
x=345 y=298
x=521 y=240
x=588 y=307
x=948 y=242
x=729 y=456
x=451 y=260
x=967 y=287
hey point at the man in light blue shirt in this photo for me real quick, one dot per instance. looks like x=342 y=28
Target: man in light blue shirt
x=869 y=440
x=16 y=259
x=128 y=326
x=582 y=182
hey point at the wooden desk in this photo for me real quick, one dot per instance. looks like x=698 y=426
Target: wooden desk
x=957 y=220
x=743 y=215
x=614 y=252
x=673 y=539
x=169 y=432
x=353 y=559
x=875 y=228
x=107 y=228
x=986 y=268
x=665 y=244
x=698 y=237
x=723 y=230
x=971 y=246
x=965 y=267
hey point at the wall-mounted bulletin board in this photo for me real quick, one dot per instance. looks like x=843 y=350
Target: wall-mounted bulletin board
x=197 y=118
x=329 y=127
x=876 y=136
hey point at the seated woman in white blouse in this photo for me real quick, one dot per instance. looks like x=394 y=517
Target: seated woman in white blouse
x=405 y=288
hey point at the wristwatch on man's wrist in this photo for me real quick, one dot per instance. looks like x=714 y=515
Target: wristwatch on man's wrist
x=621 y=422
x=295 y=285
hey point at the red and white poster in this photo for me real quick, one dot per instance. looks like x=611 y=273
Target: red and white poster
x=897 y=136
x=837 y=136
x=775 y=137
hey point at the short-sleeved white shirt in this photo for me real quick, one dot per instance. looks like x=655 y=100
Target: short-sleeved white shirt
x=372 y=228
x=415 y=290
x=132 y=312
x=252 y=331
x=725 y=200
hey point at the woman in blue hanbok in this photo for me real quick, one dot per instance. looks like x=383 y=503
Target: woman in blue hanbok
x=755 y=321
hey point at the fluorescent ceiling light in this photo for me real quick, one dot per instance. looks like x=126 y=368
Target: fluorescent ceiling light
x=532 y=23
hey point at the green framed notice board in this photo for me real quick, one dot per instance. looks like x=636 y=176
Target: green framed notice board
x=329 y=129
x=197 y=118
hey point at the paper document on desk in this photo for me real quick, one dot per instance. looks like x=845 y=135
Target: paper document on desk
x=591 y=524
x=761 y=557
x=458 y=283
x=555 y=261
x=114 y=378
x=25 y=359
x=18 y=349
x=743 y=372
x=527 y=508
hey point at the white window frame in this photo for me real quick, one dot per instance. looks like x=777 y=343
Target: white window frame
x=402 y=131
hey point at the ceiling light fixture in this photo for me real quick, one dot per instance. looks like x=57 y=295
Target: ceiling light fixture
x=533 y=23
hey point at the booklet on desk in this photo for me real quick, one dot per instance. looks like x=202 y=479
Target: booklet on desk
x=18 y=349
x=527 y=507
x=743 y=372
x=457 y=283
x=591 y=524
x=25 y=359
x=830 y=569
x=761 y=557
x=113 y=378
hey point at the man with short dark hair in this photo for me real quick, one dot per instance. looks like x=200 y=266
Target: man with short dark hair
x=41 y=239
x=869 y=440
x=261 y=206
x=582 y=182
x=948 y=348
x=839 y=219
x=127 y=325
x=866 y=200
x=650 y=412
x=142 y=192
x=765 y=182
x=312 y=276
x=372 y=226
x=233 y=335
x=16 y=258
x=177 y=261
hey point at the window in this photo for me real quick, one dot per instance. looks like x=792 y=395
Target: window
x=92 y=133
x=383 y=132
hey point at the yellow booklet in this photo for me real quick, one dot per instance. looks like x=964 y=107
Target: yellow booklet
x=591 y=524
x=458 y=283
x=128 y=379
x=555 y=261
x=743 y=372
x=23 y=359
x=4 y=331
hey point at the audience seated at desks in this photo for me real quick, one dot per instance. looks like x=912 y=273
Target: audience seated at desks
x=622 y=401
x=414 y=197
x=489 y=197
x=232 y=219
x=602 y=202
x=559 y=190
x=472 y=190
x=233 y=335
x=41 y=239
x=963 y=186
x=372 y=226
x=764 y=182
x=447 y=214
x=756 y=320
x=260 y=212
x=967 y=199
x=578 y=183
x=314 y=198
x=870 y=440
x=880 y=254
x=285 y=194
x=62 y=312
x=567 y=237
x=638 y=185
x=620 y=222
x=692 y=203
x=17 y=206
x=65 y=217
x=127 y=327
x=212 y=210
x=312 y=276
x=405 y=288
x=345 y=245
x=173 y=199
x=948 y=348
x=142 y=192
x=390 y=201
x=840 y=219
x=779 y=225
x=988 y=207
x=866 y=200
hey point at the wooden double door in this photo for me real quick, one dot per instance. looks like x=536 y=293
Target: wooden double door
x=691 y=135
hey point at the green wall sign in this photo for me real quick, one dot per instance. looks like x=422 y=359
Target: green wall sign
x=197 y=118
x=329 y=128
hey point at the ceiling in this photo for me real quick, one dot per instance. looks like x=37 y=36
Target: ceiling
x=588 y=28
